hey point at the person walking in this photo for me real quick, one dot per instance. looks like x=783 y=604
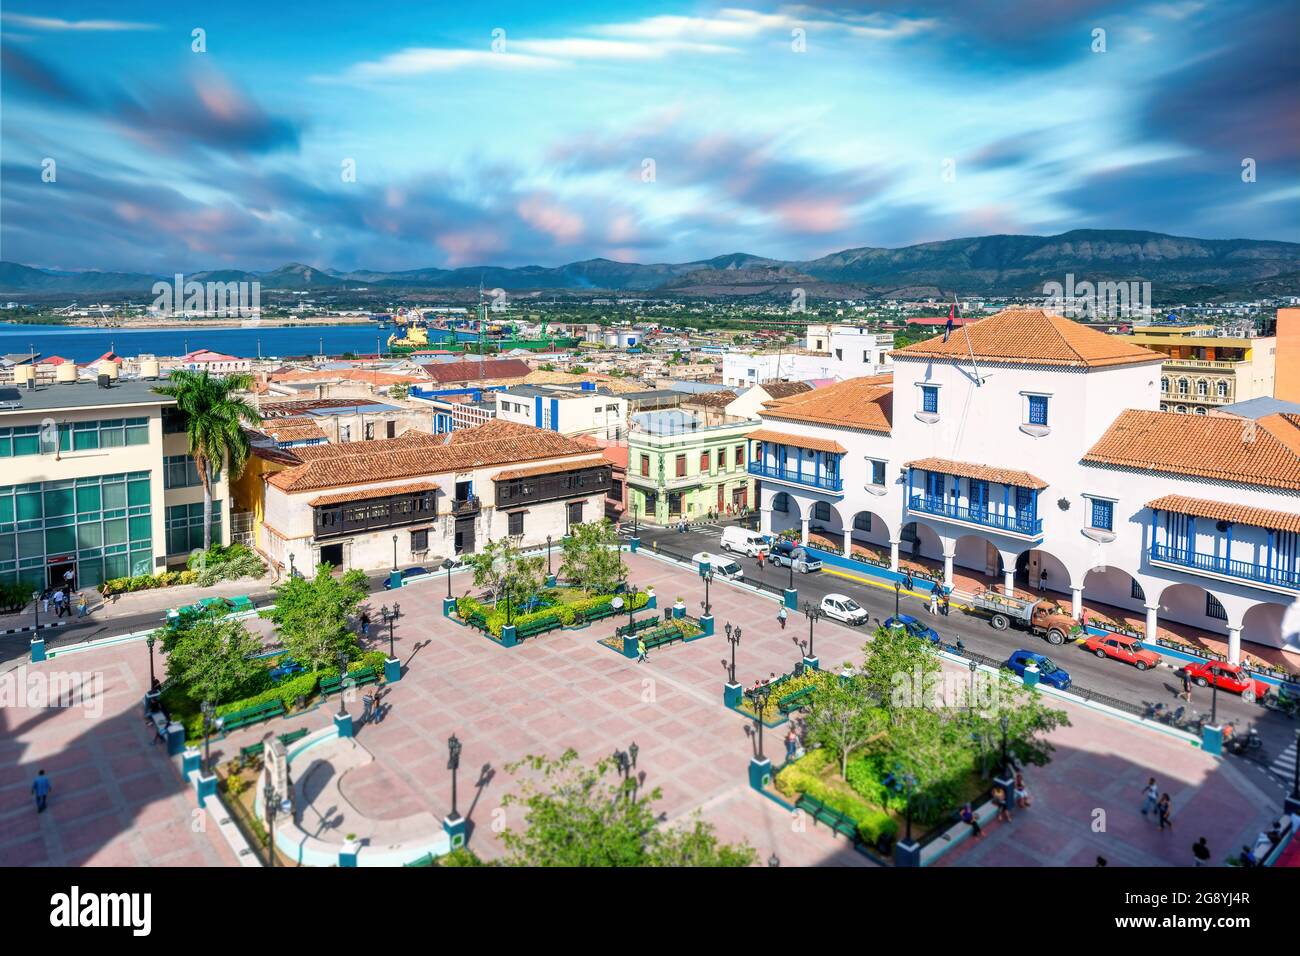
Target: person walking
x=907 y=580
x=58 y=600
x=968 y=817
x=1150 y=796
x=1021 y=792
x=68 y=575
x=45 y=601
x=943 y=605
x=934 y=599
x=1162 y=812
x=365 y=624
x=791 y=744
x=1000 y=801
x=1201 y=851
x=641 y=650
x=1187 y=685
x=41 y=787
x=781 y=616
x=83 y=606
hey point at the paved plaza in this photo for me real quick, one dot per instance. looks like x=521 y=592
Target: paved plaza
x=119 y=801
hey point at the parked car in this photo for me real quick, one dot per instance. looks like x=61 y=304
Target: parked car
x=406 y=574
x=841 y=607
x=743 y=541
x=1048 y=671
x=913 y=627
x=1122 y=648
x=723 y=567
x=786 y=553
x=1230 y=677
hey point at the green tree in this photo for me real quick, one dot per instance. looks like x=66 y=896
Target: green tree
x=212 y=658
x=591 y=556
x=899 y=670
x=579 y=370
x=215 y=417
x=500 y=567
x=311 y=614
x=843 y=718
x=400 y=390
x=577 y=815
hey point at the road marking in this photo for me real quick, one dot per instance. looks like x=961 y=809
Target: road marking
x=1284 y=765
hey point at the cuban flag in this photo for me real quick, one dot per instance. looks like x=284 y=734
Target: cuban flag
x=952 y=316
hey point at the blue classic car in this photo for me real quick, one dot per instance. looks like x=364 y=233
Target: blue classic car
x=1048 y=672
x=913 y=627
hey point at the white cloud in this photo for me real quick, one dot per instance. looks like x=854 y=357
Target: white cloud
x=416 y=61
x=55 y=23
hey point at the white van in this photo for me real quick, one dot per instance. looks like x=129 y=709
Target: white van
x=743 y=541
x=722 y=566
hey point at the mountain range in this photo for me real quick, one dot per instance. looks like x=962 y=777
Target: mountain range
x=991 y=265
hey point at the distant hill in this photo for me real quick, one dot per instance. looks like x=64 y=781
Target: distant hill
x=1009 y=265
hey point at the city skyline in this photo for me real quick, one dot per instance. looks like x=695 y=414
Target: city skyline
x=507 y=136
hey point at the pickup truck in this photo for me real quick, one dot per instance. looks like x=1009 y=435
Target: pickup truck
x=787 y=553
x=1042 y=618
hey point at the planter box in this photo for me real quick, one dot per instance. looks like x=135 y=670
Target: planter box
x=1127 y=632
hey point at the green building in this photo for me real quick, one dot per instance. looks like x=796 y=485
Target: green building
x=683 y=464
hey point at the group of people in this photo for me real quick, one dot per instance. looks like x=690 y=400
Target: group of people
x=60 y=598
x=1001 y=802
x=938 y=601
x=1158 y=804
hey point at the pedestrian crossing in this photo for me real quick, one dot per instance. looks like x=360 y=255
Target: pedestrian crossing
x=1283 y=765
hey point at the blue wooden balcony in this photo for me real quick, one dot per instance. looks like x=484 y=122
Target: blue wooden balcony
x=1009 y=523
x=1226 y=567
x=831 y=483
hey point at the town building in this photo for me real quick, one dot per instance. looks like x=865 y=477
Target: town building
x=1286 y=385
x=419 y=497
x=1030 y=451
x=97 y=477
x=1206 y=367
x=831 y=352
x=685 y=464
x=586 y=410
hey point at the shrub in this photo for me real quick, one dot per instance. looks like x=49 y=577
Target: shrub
x=801 y=778
x=14 y=597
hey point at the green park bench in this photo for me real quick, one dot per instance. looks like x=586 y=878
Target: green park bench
x=539 y=626
x=255 y=750
x=666 y=636
x=792 y=702
x=636 y=627
x=241 y=603
x=252 y=715
x=365 y=675
x=837 y=821
x=478 y=619
x=602 y=612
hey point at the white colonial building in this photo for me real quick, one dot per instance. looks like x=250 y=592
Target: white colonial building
x=1029 y=448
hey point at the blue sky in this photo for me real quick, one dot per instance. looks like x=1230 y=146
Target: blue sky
x=513 y=134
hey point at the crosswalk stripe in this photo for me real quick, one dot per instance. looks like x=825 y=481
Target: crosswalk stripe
x=1284 y=765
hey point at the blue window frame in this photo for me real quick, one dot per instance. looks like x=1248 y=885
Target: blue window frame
x=929 y=398
x=877 y=472
x=1103 y=515
x=1038 y=409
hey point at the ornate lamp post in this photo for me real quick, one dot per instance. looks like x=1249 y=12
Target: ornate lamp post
x=209 y=712
x=760 y=696
x=973 y=668
x=292 y=573
x=708 y=578
x=548 y=555
x=791 y=570
x=268 y=797
x=898 y=587
x=390 y=617
x=1214 y=701
x=447 y=565
x=343 y=676
x=394 y=552
x=453 y=764
x=149 y=642
x=36 y=609
x=636 y=510
x=733 y=638
x=813 y=614
x=630 y=592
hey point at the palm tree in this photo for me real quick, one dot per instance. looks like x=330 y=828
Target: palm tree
x=214 y=420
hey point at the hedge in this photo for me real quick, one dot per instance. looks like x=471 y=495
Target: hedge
x=180 y=706
x=567 y=614
x=802 y=778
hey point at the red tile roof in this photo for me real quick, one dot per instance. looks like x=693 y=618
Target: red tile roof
x=1218 y=447
x=569 y=464
x=968 y=469
x=368 y=494
x=1222 y=511
x=797 y=441
x=861 y=403
x=1032 y=337
x=474 y=370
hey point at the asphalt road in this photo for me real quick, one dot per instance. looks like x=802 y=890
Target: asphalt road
x=1108 y=677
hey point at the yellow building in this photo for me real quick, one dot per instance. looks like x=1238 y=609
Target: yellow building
x=1206 y=369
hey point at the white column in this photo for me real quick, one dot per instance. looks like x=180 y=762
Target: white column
x=765 y=521
x=848 y=542
x=1076 y=602
x=1009 y=581
x=804 y=531
x=1153 y=623
x=1234 y=643
x=947 y=570
x=893 y=555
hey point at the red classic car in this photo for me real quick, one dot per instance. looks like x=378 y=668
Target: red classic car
x=1228 y=677
x=1122 y=648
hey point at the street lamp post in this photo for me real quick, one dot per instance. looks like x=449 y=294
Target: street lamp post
x=448 y=565
x=733 y=638
x=394 y=552
x=1214 y=701
x=453 y=764
x=390 y=617
x=813 y=613
x=208 y=712
x=630 y=594
x=791 y=570
x=292 y=572
x=268 y=797
x=973 y=668
x=36 y=609
x=898 y=587
x=708 y=578
x=343 y=676
x=149 y=642
x=548 y=555
x=760 y=696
